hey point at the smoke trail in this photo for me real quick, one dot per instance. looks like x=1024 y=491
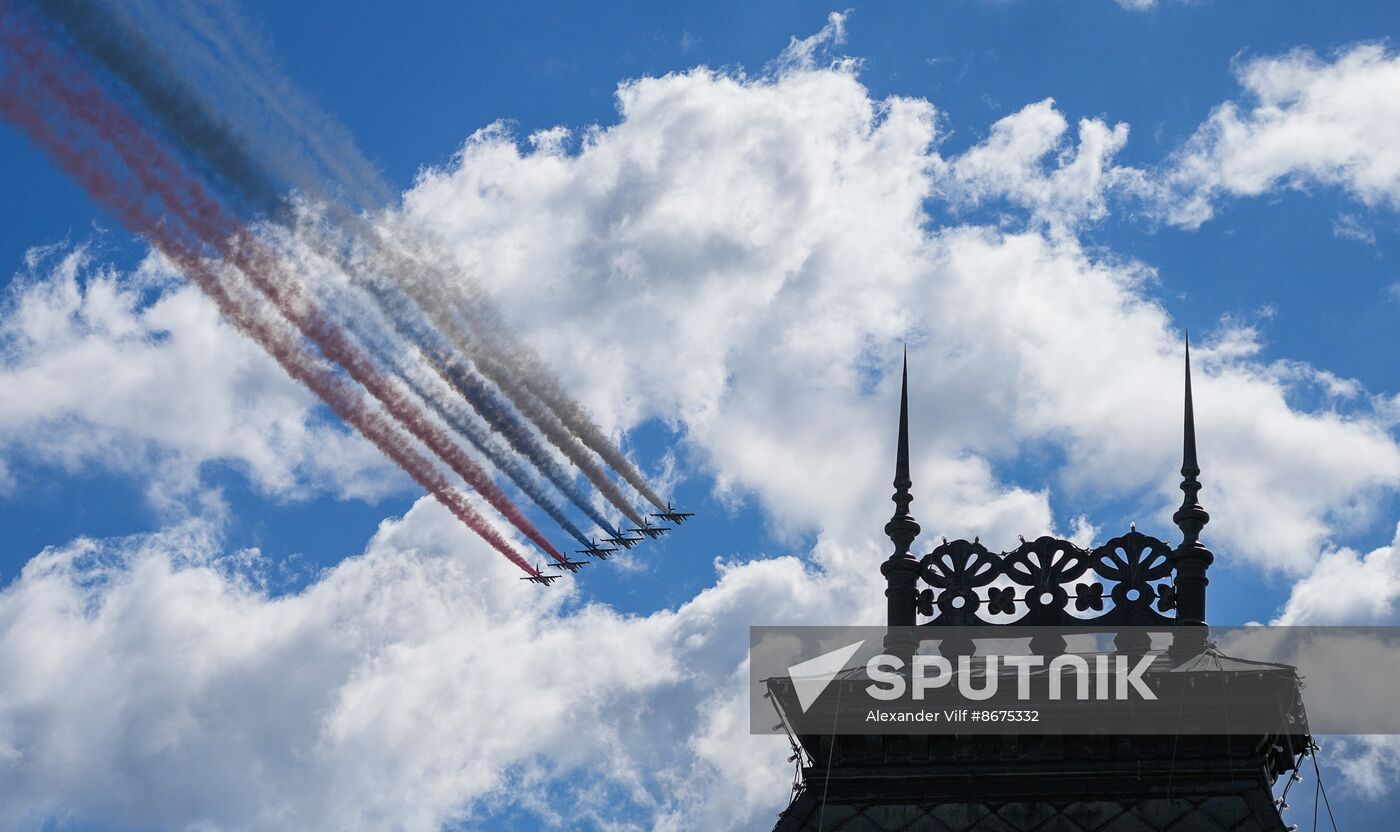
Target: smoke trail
x=367 y=326
x=207 y=219
x=414 y=325
x=303 y=310
x=77 y=144
x=234 y=48
x=222 y=150
x=439 y=311
x=523 y=363
x=498 y=413
x=107 y=32
x=197 y=126
x=514 y=359
x=517 y=361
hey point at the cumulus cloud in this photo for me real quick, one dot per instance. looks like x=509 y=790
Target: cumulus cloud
x=741 y=258
x=1309 y=121
x=1011 y=165
x=150 y=683
x=768 y=238
x=1351 y=588
x=135 y=374
x=1347 y=587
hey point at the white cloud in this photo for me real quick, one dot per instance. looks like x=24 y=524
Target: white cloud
x=1011 y=164
x=1370 y=764
x=742 y=257
x=1351 y=588
x=1351 y=227
x=1346 y=587
x=801 y=53
x=98 y=375
x=1137 y=5
x=149 y=683
x=1309 y=122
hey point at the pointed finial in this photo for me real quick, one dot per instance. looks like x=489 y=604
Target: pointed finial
x=1191 y=517
x=902 y=529
x=1189 y=467
x=901 y=461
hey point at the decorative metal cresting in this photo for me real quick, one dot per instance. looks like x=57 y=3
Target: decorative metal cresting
x=1131 y=580
x=1049 y=582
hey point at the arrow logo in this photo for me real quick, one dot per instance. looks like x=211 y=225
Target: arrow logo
x=811 y=677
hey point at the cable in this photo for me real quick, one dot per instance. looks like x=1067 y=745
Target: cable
x=831 y=754
x=1323 y=788
x=1317 y=789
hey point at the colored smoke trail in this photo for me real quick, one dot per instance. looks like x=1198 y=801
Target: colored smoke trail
x=212 y=141
x=498 y=413
x=428 y=287
x=288 y=293
x=108 y=33
x=198 y=126
x=367 y=326
x=415 y=326
x=101 y=33
x=229 y=46
x=82 y=144
x=524 y=364
x=207 y=218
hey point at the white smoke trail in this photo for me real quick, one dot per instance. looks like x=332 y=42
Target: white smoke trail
x=218 y=40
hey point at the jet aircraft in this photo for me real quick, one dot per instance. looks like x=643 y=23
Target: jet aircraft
x=623 y=540
x=670 y=515
x=594 y=550
x=649 y=530
x=541 y=578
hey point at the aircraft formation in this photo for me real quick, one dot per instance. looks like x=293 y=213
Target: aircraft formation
x=643 y=532
x=307 y=252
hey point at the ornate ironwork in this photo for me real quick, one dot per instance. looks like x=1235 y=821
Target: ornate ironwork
x=1132 y=580
x=1124 y=582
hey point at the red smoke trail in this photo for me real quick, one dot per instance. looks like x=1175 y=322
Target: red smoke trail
x=83 y=159
x=438 y=303
x=290 y=295
x=205 y=215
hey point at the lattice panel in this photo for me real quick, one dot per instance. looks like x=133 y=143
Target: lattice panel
x=1049 y=582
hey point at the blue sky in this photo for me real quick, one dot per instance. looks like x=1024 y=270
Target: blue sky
x=1290 y=286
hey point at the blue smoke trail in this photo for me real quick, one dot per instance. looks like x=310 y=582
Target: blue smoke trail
x=358 y=316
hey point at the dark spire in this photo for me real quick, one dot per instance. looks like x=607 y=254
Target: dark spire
x=902 y=529
x=901 y=458
x=1191 y=517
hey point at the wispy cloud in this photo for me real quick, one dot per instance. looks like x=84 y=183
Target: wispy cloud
x=1351 y=227
x=136 y=374
x=1308 y=121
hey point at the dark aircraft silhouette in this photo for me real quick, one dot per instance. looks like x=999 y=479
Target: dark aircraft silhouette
x=542 y=578
x=670 y=515
x=623 y=540
x=571 y=565
x=594 y=550
x=649 y=530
